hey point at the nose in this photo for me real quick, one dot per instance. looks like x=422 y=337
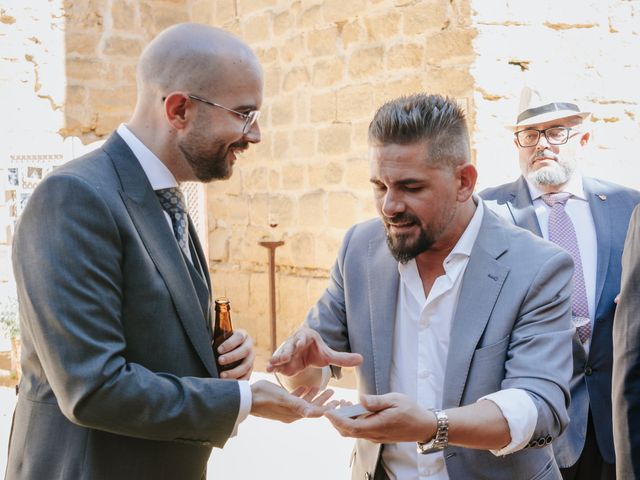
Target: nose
x=543 y=143
x=253 y=135
x=392 y=204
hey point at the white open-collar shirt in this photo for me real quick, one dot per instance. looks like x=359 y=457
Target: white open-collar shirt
x=418 y=363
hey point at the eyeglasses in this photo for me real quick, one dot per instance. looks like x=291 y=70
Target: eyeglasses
x=249 y=118
x=554 y=135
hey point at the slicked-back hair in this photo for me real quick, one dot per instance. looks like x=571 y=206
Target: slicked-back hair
x=434 y=119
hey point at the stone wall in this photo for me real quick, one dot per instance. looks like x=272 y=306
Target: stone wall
x=587 y=50
x=328 y=65
x=68 y=67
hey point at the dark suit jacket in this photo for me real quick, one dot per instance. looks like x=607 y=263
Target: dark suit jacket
x=611 y=206
x=626 y=359
x=119 y=376
x=511 y=329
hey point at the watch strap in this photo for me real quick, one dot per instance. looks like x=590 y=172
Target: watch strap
x=441 y=439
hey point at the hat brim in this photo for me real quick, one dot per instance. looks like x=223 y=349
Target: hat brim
x=547 y=117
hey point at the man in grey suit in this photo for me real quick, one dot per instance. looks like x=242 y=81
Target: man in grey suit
x=462 y=320
x=119 y=379
x=550 y=138
x=626 y=359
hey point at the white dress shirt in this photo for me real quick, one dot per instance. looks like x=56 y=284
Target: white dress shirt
x=577 y=207
x=418 y=364
x=160 y=177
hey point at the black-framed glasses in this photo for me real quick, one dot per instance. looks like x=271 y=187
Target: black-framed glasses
x=249 y=118
x=554 y=135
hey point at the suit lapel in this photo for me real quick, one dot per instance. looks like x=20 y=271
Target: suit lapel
x=481 y=285
x=383 y=295
x=601 y=213
x=148 y=217
x=521 y=207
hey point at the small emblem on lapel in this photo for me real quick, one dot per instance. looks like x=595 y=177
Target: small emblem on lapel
x=493 y=277
x=602 y=197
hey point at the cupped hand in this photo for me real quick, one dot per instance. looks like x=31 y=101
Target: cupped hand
x=305 y=348
x=396 y=418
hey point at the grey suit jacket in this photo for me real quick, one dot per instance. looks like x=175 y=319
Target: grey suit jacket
x=611 y=206
x=119 y=375
x=626 y=359
x=511 y=329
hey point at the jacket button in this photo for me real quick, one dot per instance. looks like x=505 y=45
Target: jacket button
x=588 y=371
x=541 y=442
x=549 y=439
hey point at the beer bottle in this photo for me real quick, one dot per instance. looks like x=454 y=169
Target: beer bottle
x=222 y=330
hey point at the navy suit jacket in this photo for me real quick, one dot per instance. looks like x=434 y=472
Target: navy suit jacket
x=611 y=206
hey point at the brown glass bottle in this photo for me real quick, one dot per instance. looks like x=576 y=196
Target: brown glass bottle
x=222 y=330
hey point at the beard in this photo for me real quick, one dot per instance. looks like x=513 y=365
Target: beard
x=555 y=174
x=208 y=162
x=402 y=247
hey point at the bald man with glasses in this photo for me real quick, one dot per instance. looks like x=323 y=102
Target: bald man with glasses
x=119 y=378
x=589 y=218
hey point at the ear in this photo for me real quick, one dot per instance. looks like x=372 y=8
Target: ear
x=466 y=178
x=584 y=138
x=176 y=109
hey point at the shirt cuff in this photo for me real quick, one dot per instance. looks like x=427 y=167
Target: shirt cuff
x=521 y=414
x=245 y=404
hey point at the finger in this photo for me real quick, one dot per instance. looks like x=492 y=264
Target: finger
x=341 y=359
x=283 y=353
x=242 y=371
x=323 y=397
x=375 y=403
x=310 y=394
x=236 y=339
x=299 y=391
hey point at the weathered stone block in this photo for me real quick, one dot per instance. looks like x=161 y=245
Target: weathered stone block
x=323 y=41
x=424 y=16
x=342 y=209
x=383 y=27
x=326 y=174
x=295 y=78
x=323 y=107
x=312 y=210
x=293 y=177
x=334 y=139
x=355 y=101
x=123 y=46
x=404 y=55
x=450 y=46
x=366 y=62
x=256 y=29
x=328 y=72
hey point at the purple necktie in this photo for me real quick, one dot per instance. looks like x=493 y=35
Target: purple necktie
x=563 y=234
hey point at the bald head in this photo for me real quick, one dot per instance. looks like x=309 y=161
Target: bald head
x=195 y=58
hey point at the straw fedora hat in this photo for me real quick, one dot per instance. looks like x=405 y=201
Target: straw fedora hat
x=534 y=109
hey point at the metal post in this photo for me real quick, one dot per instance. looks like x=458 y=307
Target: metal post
x=271 y=246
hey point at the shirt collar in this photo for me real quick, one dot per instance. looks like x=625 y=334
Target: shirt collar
x=465 y=243
x=574 y=187
x=157 y=172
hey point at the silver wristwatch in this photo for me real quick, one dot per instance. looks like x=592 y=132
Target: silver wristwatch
x=441 y=439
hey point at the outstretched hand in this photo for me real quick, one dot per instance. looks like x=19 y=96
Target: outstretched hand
x=272 y=401
x=394 y=418
x=305 y=348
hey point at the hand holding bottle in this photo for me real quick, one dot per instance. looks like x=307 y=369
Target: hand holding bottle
x=233 y=351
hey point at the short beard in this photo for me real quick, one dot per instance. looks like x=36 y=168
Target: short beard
x=403 y=251
x=552 y=175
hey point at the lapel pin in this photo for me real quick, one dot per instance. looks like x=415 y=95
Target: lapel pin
x=602 y=197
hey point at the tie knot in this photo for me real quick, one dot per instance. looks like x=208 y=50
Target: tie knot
x=552 y=199
x=171 y=200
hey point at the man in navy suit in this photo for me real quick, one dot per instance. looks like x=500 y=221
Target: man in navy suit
x=550 y=137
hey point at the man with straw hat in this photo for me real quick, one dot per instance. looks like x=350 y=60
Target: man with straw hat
x=589 y=218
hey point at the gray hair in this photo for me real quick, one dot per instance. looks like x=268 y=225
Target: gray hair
x=434 y=119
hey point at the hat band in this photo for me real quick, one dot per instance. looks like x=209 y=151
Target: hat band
x=550 y=107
